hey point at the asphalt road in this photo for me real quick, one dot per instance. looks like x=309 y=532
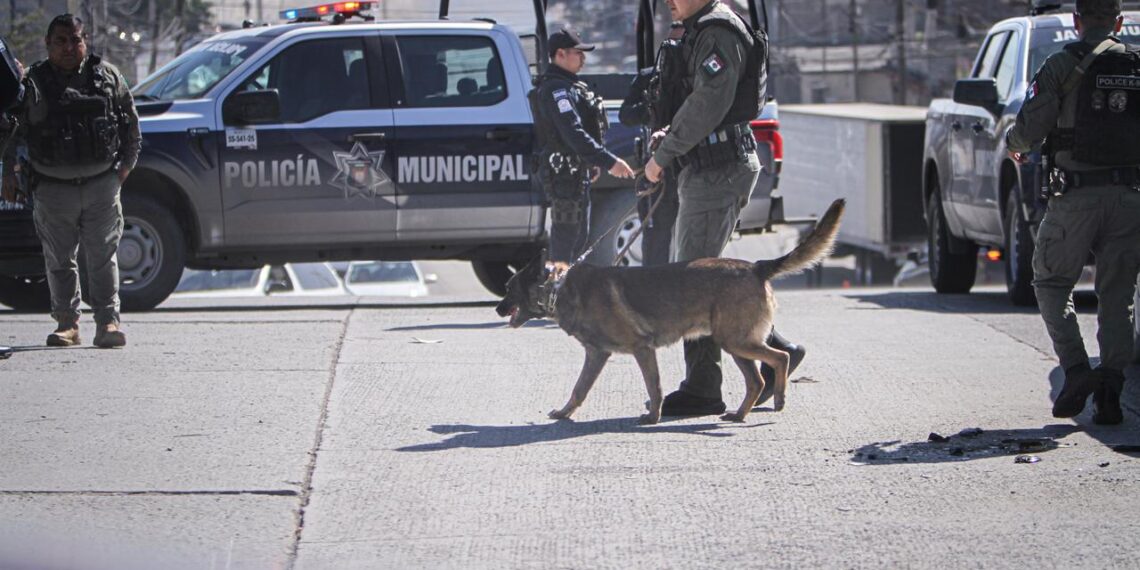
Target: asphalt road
x=362 y=433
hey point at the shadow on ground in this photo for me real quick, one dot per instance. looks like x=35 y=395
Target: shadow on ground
x=533 y=324
x=489 y=437
x=986 y=302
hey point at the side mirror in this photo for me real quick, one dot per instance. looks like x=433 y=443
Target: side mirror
x=977 y=92
x=252 y=107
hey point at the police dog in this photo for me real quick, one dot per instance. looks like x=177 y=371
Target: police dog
x=637 y=310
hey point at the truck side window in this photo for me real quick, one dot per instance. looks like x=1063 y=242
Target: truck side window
x=988 y=62
x=315 y=78
x=451 y=71
x=1007 y=70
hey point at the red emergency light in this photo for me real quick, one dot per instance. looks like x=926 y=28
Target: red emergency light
x=313 y=13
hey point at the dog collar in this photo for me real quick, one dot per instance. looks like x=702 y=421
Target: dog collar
x=551 y=289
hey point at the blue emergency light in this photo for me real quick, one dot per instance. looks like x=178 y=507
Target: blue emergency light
x=313 y=13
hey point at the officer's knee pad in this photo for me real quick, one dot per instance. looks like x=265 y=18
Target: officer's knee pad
x=567 y=211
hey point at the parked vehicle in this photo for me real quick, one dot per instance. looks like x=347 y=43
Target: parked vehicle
x=387 y=279
x=288 y=280
x=974 y=195
x=339 y=139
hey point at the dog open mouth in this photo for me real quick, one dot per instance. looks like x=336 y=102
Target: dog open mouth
x=515 y=322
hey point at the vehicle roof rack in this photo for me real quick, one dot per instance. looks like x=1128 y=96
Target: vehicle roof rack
x=340 y=12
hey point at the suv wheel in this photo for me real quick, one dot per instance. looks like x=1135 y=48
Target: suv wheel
x=614 y=208
x=25 y=294
x=494 y=274
x=949 y=272
x=152 y=253
x=1018 y=256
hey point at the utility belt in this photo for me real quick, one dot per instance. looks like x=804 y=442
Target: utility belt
x=724 y=146
x=563 y=167
x=1062 y=181
x=79 y=181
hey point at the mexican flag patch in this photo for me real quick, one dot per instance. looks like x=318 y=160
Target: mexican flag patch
x=713 y=65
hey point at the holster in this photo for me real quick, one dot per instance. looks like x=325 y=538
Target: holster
x=724 y=146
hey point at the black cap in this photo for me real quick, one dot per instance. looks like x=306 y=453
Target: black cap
x=1099 y=8
x=566 y=39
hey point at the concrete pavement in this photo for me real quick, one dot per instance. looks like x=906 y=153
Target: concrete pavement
x=349 y=433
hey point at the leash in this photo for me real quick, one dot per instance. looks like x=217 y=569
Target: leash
x=649 y=190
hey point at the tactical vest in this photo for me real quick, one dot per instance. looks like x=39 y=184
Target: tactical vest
x=81 y=126
x=1106 y=129
x=672 y=84
x=751 y=91
x=591 y=110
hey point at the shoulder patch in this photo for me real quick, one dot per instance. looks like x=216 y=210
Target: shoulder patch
x=564 y=106
x=560 y=94
x=1032 y=92
x=713 y=65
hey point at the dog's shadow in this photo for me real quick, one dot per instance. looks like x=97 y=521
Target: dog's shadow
x=489 y=437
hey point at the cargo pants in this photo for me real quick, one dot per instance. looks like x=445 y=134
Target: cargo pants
x=569 y=218
x=91 y=214
x=710 y=203
x=1105 y=221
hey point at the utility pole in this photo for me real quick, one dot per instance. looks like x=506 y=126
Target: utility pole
x=853 y=18
x=900 y=17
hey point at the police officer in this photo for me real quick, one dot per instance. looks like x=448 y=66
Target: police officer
x=570 y=123
x=722 y=73
x=79 y=123
x=1083 y=100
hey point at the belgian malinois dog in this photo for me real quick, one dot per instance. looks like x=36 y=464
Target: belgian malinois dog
x=636 y=310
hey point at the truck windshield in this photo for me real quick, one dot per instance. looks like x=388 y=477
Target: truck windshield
x=193 y=73
x=1048 y=41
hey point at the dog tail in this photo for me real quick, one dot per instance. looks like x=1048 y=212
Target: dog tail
x=817 y=245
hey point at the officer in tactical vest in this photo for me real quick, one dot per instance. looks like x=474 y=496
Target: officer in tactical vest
x=79 y=123
x=1085 y=102
x=720 y=73
x=570 y=124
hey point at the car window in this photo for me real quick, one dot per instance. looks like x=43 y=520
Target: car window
x=1006 y=75
x=986 y=65
x=193 y=73
x=385 y=271
x=207 y=280
x=312 y=276
x=315 y=78
x=456 y=71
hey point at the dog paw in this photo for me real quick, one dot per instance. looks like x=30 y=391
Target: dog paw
x=778 y=405
x=558 y=415
x=649 y=419
x=733 y=417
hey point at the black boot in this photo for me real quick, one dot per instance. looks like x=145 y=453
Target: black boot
x=1106 y=399
x=1080 y=383
x=796 y=352
x=703 y=374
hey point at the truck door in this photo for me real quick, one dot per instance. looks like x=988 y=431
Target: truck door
x=321 y=173
x=986 y=194
x=972 y=133
x=463 y=136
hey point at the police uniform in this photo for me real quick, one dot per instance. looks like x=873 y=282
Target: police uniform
x=80 y=129
x=721 y=73
x=1095 y=207
x=570 y=125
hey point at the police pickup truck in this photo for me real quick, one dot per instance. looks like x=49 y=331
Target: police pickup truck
x=974 y=195
x=337 y=140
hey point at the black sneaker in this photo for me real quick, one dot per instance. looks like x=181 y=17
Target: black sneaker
x=1080 y=383
x=797 y=353
x=1106 y=399
x=685 y=404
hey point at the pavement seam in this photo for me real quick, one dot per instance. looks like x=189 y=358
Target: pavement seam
x=307 y=485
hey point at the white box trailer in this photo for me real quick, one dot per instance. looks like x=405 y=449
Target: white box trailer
x=872 y=156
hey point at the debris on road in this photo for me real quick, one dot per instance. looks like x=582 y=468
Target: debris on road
x=1105 y=464
x=1026 y=459
x=804 y=380
x=416 y=340
x=935 y=438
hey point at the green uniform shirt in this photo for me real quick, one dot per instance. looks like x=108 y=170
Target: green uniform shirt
x=716 y=65
x=1047 y=107
x=33 y=107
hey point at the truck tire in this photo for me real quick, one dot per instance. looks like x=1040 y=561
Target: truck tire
x=1018 y=256
x=152 y=253
x=614 y=209
x=494 y=274
x=29 y=295
x=949 y=272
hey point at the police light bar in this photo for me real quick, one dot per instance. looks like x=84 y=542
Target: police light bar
x=314 y=13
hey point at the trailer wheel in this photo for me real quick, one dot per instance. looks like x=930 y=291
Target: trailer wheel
x=1018 y=256
x=949 y=272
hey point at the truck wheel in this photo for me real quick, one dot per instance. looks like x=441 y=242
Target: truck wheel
x=24 y=294
x=152 y=253
x=613 y=208
x=949 y=272
x=1018 y=256
x=494 y=274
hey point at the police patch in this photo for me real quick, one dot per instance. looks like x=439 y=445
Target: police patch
x=564 y=106
x=1032 y=92
x=713 y=65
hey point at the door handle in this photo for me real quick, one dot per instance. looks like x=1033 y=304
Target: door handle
x=502 y=134
x=360 y=137
x=979 y=128
x=956 y=126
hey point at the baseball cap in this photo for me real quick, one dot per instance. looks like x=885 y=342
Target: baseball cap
x=1099 y=8
x=566 y=39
